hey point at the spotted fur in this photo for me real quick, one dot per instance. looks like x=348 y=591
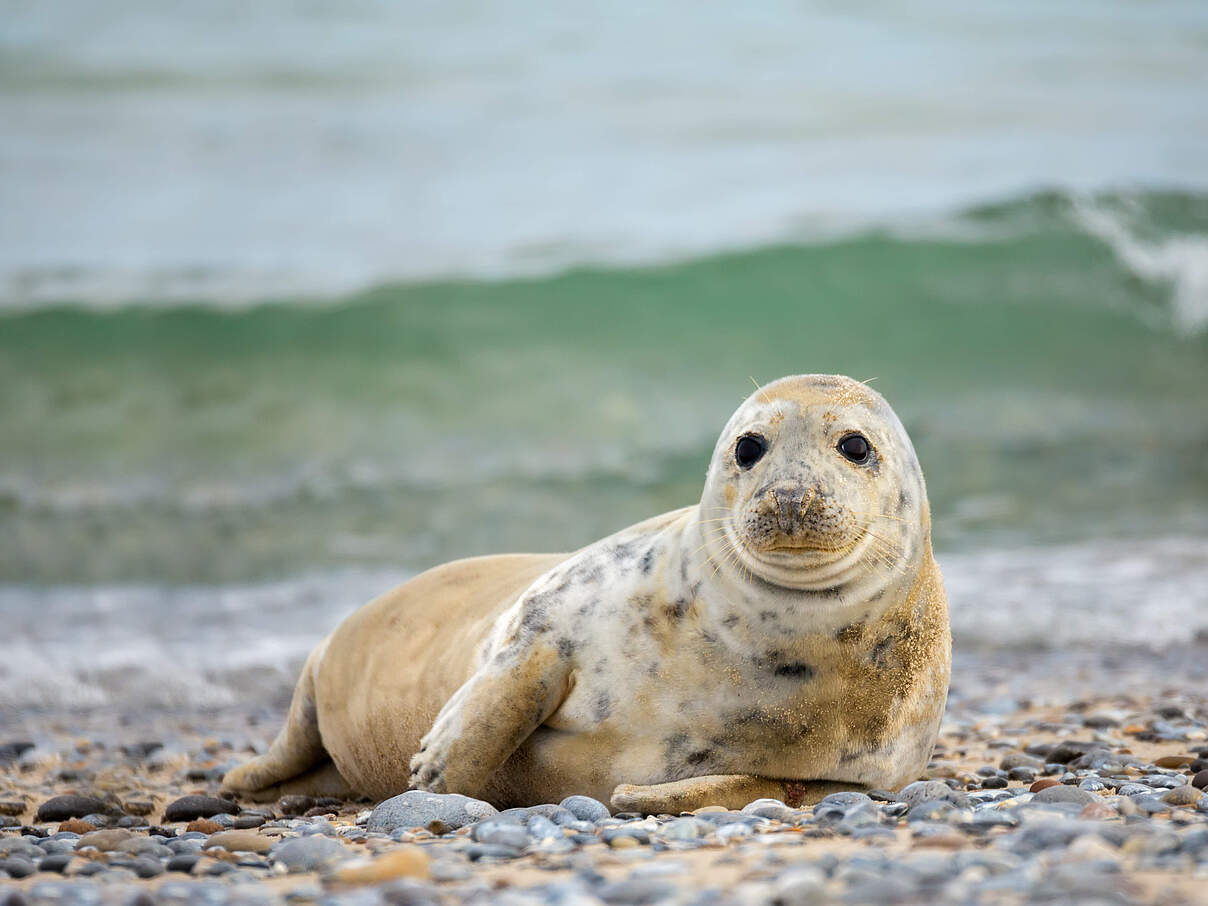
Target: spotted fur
x=785 y=637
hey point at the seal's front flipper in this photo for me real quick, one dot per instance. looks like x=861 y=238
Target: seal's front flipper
x=731 y=791
x=521 y=684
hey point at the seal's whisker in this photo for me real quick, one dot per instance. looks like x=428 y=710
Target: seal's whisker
x=878 y=515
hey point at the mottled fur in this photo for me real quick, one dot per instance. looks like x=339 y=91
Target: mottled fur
x=786 y=637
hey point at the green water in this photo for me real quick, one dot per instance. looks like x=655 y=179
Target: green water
x=1046 y=389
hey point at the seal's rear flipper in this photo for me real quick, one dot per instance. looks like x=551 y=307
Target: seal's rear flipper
x=296 y=753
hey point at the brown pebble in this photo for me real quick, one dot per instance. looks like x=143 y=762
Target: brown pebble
x=12 y=807
x=1043 y=784
x=242 y=841
x=138 y=807
x=1200 y=780
x=1098 y=811
x=203 y=826
x=1174 y=761
x=76 y=826
x=1182 y=795
x=105 y=839
x=404 y=862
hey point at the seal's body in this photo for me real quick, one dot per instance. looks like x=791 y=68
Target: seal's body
x=786 y=637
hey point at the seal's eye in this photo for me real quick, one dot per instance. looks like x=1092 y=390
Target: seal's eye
x=856 y=448
x=749 y=449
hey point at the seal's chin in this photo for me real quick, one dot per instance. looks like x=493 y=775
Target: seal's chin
x=801 y=562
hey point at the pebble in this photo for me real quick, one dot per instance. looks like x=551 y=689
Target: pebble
x=1200 y=780
x=61 y=808
x=186 y=808
x=104 y=840
x=313 y=853
x=239 y=841
x=1182 y=795
x=584 y=808
x=1064 y=793
x=416 y=808
x=928 y=790
x=403 y=862
x=769 y=808
x=183 y=862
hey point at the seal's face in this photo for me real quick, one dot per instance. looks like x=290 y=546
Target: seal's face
x=812 y=483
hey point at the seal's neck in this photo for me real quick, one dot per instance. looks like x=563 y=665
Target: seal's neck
x=841 y=594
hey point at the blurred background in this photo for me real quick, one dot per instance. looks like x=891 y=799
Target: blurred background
x=298 y=299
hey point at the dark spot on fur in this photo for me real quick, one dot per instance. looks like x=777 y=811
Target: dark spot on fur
x=647 y=562
x=602 y=707
x=697 y=757
x=623 y=551
x=534 y=617
x=795 y=670
x=731 y=621
x=566 y=647
x=674 y=744
x=880 y=652
x=678 y=609
x=850 y=633
x=903 y=500
x=765 y=615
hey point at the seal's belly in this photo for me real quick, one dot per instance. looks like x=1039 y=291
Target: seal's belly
x=728 y=721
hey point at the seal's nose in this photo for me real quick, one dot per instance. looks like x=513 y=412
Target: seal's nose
x=790 y=502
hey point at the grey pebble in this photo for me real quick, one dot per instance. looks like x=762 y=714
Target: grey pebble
x=313 y=853
x=183 y=861
x=1064 y=793
x=416 y=808
x=476 y=851
x=500 y=833
x=18 y=866
x=769 y=808
x=584 y=808
x=928 y=790
x=56 y=862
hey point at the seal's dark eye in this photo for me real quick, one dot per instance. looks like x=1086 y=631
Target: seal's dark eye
x=749 y=449
x=855 y=447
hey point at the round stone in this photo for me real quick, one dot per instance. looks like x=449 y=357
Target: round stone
x=1064 y=793
x=415 y=808
x=313 y=853
x=187 y=808
x=584 y=808
x=61 y=808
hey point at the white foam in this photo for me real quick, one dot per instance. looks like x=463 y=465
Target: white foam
x=1180 y=261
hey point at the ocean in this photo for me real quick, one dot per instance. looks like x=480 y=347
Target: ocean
x=297 y=301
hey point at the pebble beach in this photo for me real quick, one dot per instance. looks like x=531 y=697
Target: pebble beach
x=1058 y=776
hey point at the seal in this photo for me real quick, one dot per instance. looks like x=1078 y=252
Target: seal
x=786 y=637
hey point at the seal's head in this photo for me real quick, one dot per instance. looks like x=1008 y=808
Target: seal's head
x=814 y=484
